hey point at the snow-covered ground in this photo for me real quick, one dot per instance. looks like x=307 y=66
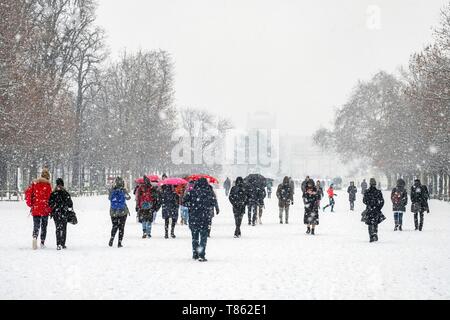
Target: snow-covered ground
x=271 y=261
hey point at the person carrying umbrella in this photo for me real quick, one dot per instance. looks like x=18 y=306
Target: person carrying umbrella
x=170 y=207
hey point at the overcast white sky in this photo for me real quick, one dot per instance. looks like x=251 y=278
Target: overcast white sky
x=297 y=59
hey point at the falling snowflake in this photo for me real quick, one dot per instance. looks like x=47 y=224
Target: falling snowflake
x=434 y=149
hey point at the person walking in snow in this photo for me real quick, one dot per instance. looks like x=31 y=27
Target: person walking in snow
x=399 y=198
x=170 y=207
x=304 y=184
x=269 y=188
x=61 y=204
x=285 y=199
x=419 y=199
x=37 y=196
x=251 y=200
x=331 y=196
x=352 y=191
x=180 y=190
x=238 y=199
x=200 y=201
x=372 y=216
x=311 y=200
x=319 y=190
x=227 y=186
x=146 y=203
x=119 y=212
x=261 y=195
x=364 y=186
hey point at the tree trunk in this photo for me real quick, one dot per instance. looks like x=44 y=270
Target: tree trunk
x=3 y=172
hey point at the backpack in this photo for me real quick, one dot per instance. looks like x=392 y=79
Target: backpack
x=397 y=197
x=118 y=200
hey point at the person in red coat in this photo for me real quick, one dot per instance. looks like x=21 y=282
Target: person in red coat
x=37 y=196
x=331 y=196
x=147 y=204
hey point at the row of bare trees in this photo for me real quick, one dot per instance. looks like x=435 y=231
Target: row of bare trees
x=62 y=106
x=400 y=125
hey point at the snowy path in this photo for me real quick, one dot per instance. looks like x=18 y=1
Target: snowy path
x=271 y=261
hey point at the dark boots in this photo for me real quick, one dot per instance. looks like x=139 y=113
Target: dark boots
x=373 y=233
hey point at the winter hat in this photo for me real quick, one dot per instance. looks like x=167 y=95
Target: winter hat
x=373 y=182
x=59 y=182
x=45 y=174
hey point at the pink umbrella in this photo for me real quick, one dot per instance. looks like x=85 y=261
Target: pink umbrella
x=173 y=182
x=152 y=178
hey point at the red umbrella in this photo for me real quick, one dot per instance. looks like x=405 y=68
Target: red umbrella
x=173 y=182
x=196 y=177
x=152 y=178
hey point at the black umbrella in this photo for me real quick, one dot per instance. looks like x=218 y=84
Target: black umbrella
x=257 y=180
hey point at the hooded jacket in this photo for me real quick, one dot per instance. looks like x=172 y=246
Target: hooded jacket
x=399 y=197
x=284 y=194
x=37 y=196
x=238 y=196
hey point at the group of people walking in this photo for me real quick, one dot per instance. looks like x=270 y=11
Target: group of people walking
x=198 y=204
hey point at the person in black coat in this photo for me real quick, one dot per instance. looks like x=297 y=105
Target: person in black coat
x=419 y=199
x=200 y=201
x=170 y=205
x=352 y=191
x=255 y=202
x=364 y=186
x=311 y=200
x=61 y=203
x=373 y=199
x=227 y=186
x=399 y=198
x=285 y=199
x=260 y=195
x=238 y=199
